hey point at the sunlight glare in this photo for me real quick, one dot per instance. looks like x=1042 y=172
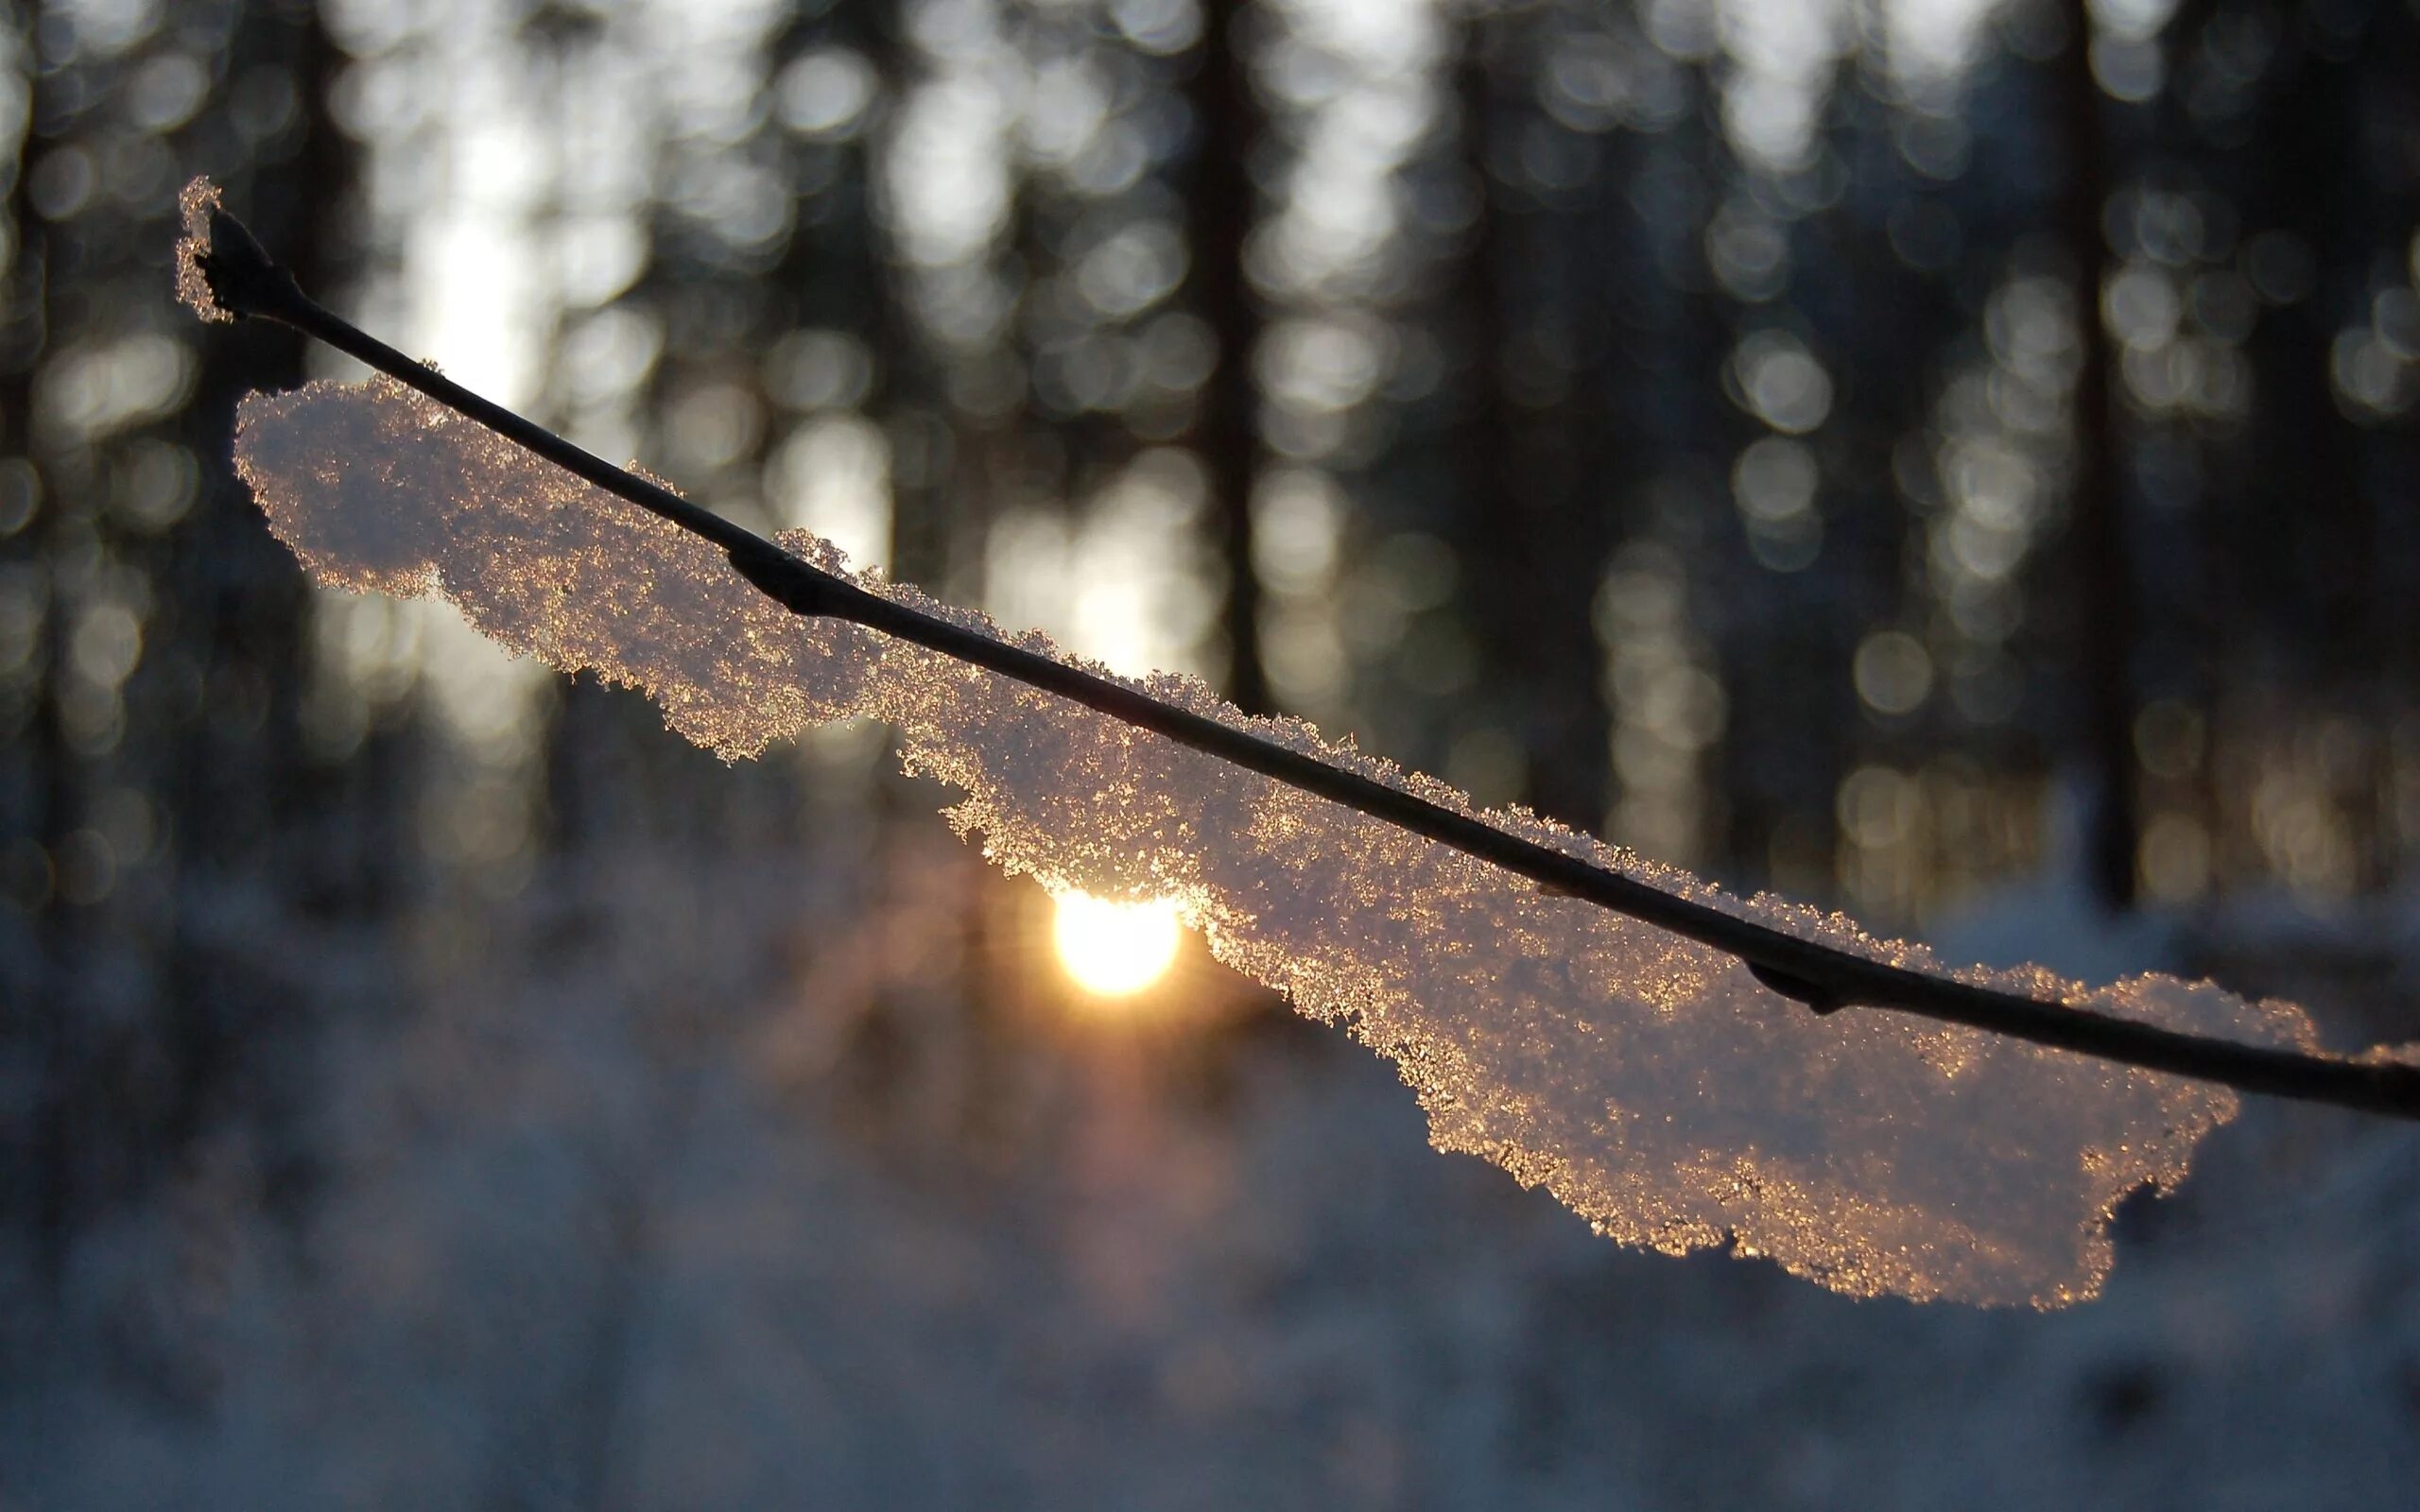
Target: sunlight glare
x=1114 y=950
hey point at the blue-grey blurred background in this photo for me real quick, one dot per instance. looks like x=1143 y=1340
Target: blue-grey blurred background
x=1951 y=460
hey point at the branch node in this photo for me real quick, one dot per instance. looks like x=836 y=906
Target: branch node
x=1815 y=997
x=781 y=578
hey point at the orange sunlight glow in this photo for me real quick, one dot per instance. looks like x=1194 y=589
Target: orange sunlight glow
x=1114 y=950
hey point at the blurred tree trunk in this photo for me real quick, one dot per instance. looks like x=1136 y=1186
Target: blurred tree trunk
x=242 y=799
x=1222 y=202
x=241 y=606
x=2307 y=539
x=155 y=1015
x=2392 y=481
x=1541 y=505
x=2103 y=588
x=908 y=388
x=41 y=989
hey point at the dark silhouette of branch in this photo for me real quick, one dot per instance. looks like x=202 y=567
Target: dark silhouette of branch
x=243 y=281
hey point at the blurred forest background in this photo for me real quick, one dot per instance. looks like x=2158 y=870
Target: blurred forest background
x=1952 y=459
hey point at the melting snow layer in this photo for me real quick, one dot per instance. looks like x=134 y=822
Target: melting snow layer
x=1647 y=1081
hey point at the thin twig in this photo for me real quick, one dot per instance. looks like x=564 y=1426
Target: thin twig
x=245 y=281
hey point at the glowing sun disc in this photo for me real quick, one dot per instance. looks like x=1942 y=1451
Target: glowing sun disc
x=1114 y=950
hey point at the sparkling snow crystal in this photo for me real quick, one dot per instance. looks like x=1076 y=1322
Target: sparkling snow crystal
x=1646 y=1080
x=194 y=205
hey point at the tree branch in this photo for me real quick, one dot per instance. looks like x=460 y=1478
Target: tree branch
x=243 y=281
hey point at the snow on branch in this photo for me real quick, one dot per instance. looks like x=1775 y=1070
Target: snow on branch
x=1623 y=1034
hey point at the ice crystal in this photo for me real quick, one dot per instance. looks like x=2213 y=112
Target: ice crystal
x=193 y=204
x=1647 y=1081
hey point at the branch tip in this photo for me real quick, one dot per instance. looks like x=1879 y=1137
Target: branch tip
x=222 y=270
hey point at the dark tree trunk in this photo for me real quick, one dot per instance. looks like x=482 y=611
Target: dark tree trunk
x=240 y=791
x=2103 y=586
x=1226 y=125
x=36 y=1024
x=1541 y=481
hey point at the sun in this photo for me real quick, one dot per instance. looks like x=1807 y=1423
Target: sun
x=1116 y=949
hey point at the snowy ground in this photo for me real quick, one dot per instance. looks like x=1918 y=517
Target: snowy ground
x=670 y=1187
